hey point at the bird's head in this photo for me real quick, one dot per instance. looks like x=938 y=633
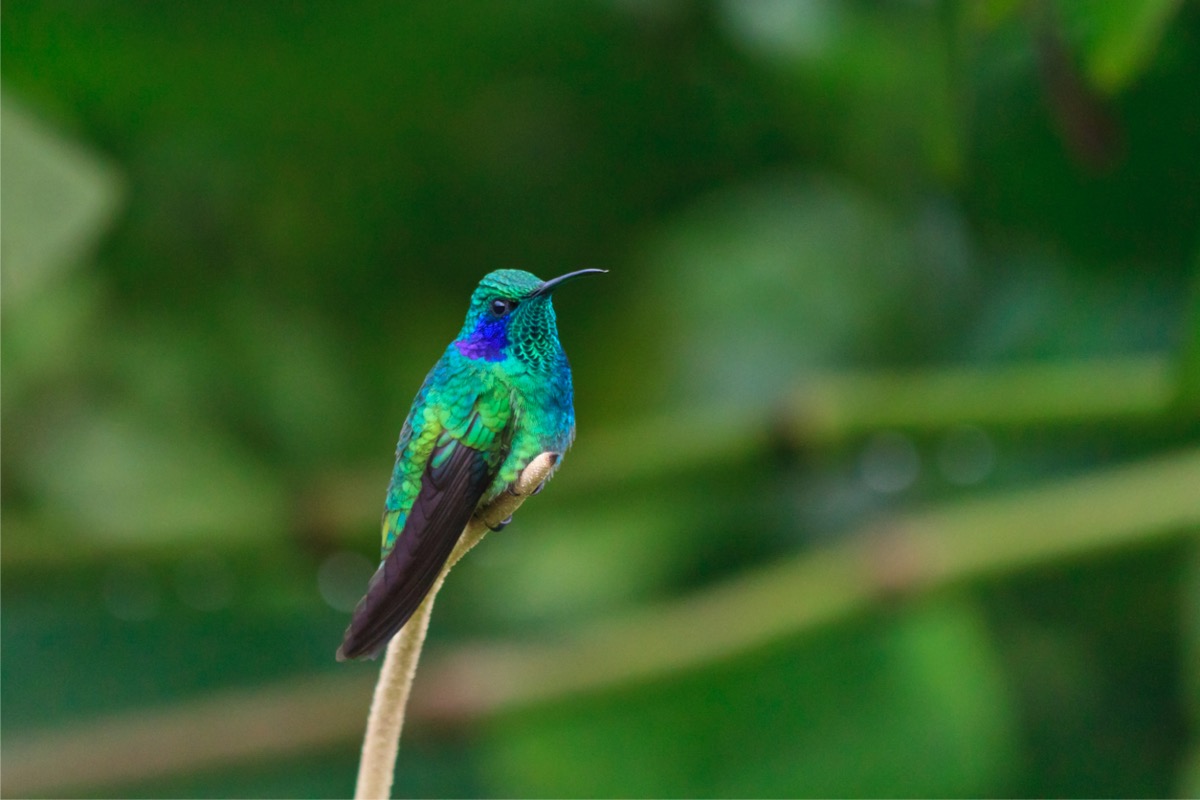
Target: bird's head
x=512 y=314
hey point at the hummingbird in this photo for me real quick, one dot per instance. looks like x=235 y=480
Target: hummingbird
x=499 y=396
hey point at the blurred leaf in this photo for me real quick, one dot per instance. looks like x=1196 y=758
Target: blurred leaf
x=111 y=476
x=772 y=279
x=786 y=30
x=43 y=341
x=1119 y=39
x=874 y=87
x=58 y=198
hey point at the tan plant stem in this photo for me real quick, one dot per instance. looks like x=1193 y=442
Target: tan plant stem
x=386 y=719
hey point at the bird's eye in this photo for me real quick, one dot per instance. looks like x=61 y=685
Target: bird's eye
x=502 y=305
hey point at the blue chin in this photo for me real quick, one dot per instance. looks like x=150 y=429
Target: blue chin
x=488 y=341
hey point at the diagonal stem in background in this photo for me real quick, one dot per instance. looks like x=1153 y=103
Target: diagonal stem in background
x=979 y=538
x=823 y=410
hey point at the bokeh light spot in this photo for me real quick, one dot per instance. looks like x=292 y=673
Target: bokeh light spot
x=889 y=463
x=342 y=579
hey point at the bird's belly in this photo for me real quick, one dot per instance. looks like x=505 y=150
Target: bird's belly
x=546 y=424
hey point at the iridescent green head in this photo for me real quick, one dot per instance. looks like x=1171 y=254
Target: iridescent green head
x=512 y=315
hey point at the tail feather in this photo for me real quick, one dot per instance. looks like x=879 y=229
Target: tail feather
x=447 y=498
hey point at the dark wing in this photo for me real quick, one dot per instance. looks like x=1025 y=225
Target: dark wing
x=453 y=482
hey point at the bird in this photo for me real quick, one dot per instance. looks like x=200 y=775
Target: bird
x=499 y=396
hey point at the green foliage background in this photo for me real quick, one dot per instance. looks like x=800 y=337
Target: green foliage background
x=237 y=235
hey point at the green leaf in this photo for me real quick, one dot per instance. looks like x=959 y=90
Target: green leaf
x=59 y=198
x=1120 y=39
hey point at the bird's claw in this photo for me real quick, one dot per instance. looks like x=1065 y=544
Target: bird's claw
x=538 y=490
x=501 y=525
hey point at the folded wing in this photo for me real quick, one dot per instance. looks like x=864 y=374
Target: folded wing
x=458 y=472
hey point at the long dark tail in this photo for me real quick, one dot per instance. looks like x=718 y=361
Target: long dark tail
x=443 y=507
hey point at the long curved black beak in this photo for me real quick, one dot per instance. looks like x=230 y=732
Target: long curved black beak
x=549 y=286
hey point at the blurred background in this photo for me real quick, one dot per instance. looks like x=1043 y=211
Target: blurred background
x=887 y=479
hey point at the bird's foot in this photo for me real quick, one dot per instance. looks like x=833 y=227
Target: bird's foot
x=553 y=459
x=536 y=490
x=501 y=525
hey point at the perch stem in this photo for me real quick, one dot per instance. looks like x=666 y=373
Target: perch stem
x=386 y=719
